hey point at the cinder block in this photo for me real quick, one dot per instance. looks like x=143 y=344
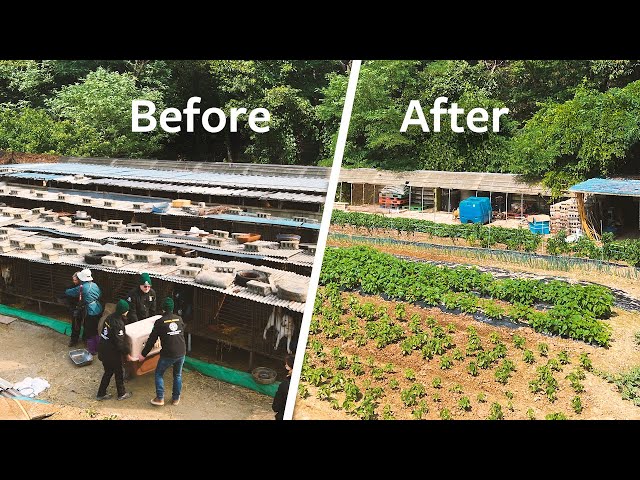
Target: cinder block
x=259 y=288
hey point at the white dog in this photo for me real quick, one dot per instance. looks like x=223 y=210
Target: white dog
x=283 y=323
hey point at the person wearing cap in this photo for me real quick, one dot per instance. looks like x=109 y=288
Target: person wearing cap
x=170 y=329
x=111 y=349
x=280 y=400
x=88 y=295
x=142 y=300
x=74 y=312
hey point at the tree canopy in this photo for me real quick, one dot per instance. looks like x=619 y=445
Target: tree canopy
x=83 y=107
x=568 y=120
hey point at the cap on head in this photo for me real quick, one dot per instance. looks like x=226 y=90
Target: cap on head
x=145 y=279
x=85 y=275
x=121 y=307
x=167 y=305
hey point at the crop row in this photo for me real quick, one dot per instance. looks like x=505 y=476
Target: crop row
x=574 y=308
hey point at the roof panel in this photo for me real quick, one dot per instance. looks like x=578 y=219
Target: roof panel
x=609 y=186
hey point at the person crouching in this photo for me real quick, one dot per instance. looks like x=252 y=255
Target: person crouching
x=111 y=349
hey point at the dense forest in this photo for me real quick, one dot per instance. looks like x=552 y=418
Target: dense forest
x=568 y=120
x=83 y=108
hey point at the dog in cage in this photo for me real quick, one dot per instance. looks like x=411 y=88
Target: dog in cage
x=284 y=325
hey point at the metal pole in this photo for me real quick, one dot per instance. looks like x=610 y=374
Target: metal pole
x=422 y=199
x=449 y=206
x=506 y=207
x=351 y=195
x=521 y=206
x=409 y=197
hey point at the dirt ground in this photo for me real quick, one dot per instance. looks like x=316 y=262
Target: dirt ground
x=28 y=350
x=600 y=399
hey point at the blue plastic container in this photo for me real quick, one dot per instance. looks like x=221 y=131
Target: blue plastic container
x=539 y=225
x=475 y=210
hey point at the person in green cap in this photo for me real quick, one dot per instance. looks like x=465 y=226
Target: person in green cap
x=142 y=300
x=170 y=329
x=111 y=349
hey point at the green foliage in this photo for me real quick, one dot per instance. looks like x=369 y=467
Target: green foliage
x=411 y=395
x=445 y=414
x=518 y=341
x=465 y=404
x=495 y=412
x=420 y=410
x=387 y=414
x=556 y=416
x=482 y=397
x=531 y=415
x=543 y=349
x=409 y=374
x=528 y=357
x=436 y=382
x=394 y=384
x=585 y=362
x=629 y=385
x=456 y=388
x=576 y=404
x=472 y=369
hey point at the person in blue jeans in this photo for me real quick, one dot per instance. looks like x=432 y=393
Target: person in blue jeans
x=170 y=329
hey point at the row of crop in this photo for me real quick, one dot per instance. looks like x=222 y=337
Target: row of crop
x=574 y=312
x=425 y=336
x=513 y=239
x=627 y=251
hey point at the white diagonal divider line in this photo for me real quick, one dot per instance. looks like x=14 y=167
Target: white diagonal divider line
x=322 y=237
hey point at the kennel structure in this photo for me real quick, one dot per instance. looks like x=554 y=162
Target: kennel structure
x=444 y=191
x=233 y=314
x=179 y=221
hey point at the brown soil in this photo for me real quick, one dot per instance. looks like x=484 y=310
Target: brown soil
x=30 y=350
x=628 y=285
x=600 y=399
x=18 y=157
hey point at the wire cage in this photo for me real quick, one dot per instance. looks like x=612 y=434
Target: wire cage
x=240 y=323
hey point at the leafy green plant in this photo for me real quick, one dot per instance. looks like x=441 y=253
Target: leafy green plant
x=494 y=337
x=554 y=365
x=357 y=369
x=411 y=395
x=394 y=384
x=531 y=415
x=446 y=362
x=456 y=388
x=303 y=391
x=445 y=414
x=518 y=341
x=409 y=374
x=465 y=404
x=585 y=362
x=509 y=395
x=563 y=357
x=472 y=369
x=543 y=349
x=576 y=404
x=436 y=382
x=451 y=328
x=555 y=416
x=387 y=413
x=482 y=397
x=495 y=412
x=436 y=397
x=528 y=357
x=420 y=411
x=457 y=355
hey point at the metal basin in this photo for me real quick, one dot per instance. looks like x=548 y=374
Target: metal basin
x=81 y=357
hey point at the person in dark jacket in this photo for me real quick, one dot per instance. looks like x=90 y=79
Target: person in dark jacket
x=170 y=329
x=142 y=300
x=280 y=400
x=88 y=295
x=111 y=349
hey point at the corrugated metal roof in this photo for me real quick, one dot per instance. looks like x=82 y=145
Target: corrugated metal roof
x=486 y=182
x=216 y=167
x=268 y=221
x=187 y=177
x=77 y=199
x=165 y=272
x=230 y=248
x=609 y=186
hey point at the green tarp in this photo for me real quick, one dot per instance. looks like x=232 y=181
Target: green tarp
x=225 y=374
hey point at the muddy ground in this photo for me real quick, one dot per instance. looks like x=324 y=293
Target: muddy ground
x=28 y=350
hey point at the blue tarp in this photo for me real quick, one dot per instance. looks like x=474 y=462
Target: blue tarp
x=608 y=186
x=267 y=221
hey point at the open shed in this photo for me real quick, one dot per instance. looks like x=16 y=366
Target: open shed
x=615 y=206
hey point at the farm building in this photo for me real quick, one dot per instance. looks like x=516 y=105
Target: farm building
x=444 y=190
x=609 y=205
x=233 y=244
